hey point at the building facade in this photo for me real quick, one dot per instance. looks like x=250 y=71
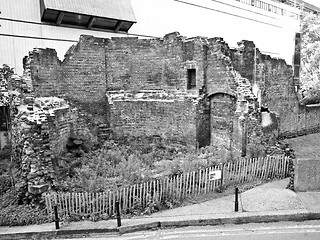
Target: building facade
x=57 y=24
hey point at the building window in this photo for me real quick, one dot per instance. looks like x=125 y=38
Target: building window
x=192 y=80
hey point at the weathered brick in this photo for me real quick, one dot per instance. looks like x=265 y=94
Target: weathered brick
x=220 y=104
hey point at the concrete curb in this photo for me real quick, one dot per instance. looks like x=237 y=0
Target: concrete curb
x=167 y=224
x=241 y=220
x=58 y=233
x=139 y=227
x=29 y=235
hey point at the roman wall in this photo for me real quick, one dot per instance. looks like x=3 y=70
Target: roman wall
x=80 y=78
x=274 y=84
x=196 y=90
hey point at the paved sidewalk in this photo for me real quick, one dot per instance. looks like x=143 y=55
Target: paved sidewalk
x=270 y=202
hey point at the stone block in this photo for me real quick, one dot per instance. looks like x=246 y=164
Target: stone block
x=38 y=189
x=307 y=174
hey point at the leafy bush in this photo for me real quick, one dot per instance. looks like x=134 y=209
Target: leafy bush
x=5 y=183
x=12 y=214
x=153 y=204
x=20 y=215
x=5 y=154
x=256 y=151
x=130 y=170
x=170 y=202
x=7 y=198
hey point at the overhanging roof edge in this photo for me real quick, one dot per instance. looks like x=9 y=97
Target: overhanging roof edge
x=120 y=10
x=91 y=15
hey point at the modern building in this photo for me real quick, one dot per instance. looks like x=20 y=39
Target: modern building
x=58 y=24
x=307 y=7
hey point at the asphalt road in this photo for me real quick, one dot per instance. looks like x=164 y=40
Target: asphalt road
x=308 y=230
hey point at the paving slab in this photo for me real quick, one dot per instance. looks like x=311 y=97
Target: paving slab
x=220 y=205
x=29 y=228
x=311 y=200
x=270 y=199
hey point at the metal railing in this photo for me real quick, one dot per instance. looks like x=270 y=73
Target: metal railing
x=275 y=7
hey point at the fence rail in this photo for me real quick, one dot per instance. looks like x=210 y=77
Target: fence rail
x=159 y=190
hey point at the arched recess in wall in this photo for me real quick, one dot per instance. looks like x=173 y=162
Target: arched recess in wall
x=222 y=119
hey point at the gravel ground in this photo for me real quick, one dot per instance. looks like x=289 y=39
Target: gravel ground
x=305 y=146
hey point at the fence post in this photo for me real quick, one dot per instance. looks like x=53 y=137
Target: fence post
x=56 y=217
x=118 y=214
x=236 y=202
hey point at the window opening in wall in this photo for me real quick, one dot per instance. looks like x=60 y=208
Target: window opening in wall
x=192 y=80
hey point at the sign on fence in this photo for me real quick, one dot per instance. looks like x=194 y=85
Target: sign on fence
x=215 y=175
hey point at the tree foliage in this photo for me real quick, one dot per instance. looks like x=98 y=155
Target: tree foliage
x=310 y=52
x=6 y=71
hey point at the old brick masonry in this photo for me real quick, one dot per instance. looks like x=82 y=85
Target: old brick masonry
x=192 y=90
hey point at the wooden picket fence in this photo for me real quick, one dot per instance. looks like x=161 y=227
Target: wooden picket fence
x=178 y=187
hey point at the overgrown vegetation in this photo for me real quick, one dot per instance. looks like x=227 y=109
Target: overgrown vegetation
x=310 y=53
x=127 y=161
x=12 y=214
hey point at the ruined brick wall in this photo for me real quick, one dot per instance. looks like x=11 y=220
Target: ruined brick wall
x=80 y=78
x=95 y=65
x=273 y=82
x=83 y=75
x=222 y=121
x=198 y=68
x=32 y=154
x=134 y=65
x=232 y=123
x=70 y=122
x=219 y=75
x=137 y=64
x=170 y=118
x=44 y=67
x=203 y=122
x=128 y=63
x=39 y=136
x=60 y=130
x=40 y=129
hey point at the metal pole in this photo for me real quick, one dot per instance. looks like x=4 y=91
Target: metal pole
x=236 y=202
x=118 y=213
x=222 y=165
x=56 y=217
